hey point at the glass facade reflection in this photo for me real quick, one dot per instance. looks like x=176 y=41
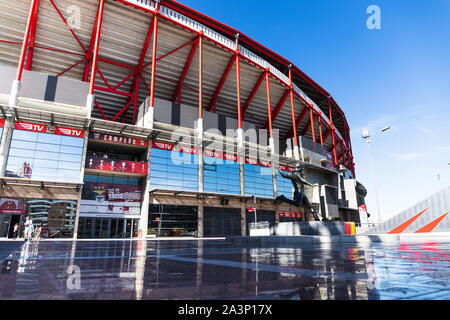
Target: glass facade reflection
x=56 y=216
x=43 y=156
x=179 y=172
x=258 y=181
x=221 y=176
x=284 y=186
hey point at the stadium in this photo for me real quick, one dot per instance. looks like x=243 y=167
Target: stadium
x=126 y=118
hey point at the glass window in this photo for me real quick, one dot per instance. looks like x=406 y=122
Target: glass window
x=221 y=176
x=284 y=186
x=258 y=181
x=42 y=156
x=181 y=174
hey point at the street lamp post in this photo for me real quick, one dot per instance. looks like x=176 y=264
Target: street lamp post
x=366 y=135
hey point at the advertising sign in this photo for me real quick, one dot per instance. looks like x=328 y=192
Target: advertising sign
x=286 y=168
x=12 y=206
x=103 y=198
x=111 y=192
x=106 y=164
x=119 y=139
x=2 y=123
x=69 y=132
x=20 y=125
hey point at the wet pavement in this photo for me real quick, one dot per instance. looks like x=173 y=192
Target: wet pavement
x=222 y=270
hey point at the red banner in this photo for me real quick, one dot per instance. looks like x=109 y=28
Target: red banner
x=2 y=123
x=220 y=155
x=289 y=214
x=105 y=164
x=69 y=132
x=286 y=168
x=162 y=145
x=119 y=139
x=12 y=206
x=30 y=126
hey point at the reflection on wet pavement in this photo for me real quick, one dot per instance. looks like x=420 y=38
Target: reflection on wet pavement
x=222 y=270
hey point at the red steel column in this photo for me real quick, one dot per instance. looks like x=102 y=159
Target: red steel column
x=311 y=114
x=238 y=83
x=25 y=41
x=96 y=45
x=32 y=37
x=320 y=128
x=200 y=76
x=269 y=108
x=332 y=134
x=155 y=40
x=291 y=92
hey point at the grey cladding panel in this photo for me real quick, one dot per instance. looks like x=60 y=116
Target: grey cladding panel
x=163 y=111
x=188 y=116
x=71 y=92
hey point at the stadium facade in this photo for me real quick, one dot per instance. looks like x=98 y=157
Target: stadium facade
x=121 y=118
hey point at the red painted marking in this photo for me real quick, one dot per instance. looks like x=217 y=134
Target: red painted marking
x=429 y=227
x=406 y=224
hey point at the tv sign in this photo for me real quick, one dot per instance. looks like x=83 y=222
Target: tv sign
x=69 y=132
x=20 y=125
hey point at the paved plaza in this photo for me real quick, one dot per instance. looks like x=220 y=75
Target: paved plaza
x=217 y=269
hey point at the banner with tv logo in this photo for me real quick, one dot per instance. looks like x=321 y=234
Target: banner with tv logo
x=28 y=126
x=69 y=132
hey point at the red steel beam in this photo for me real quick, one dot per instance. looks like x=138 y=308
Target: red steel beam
x=299 y=120
x=71 y=67
x=277 y=109
x=155 y=42
x=169 y=53
x=68 y=26
x=177 y=91
x=212 y=101
x=306 y=129
x=238 y=83
x=100 y=109
x=200 y=76
x=29 y=64
x=269 y=108
x=311 y=114
x=291 y=94
x=25 y=41
x=91 y=47
x=252 y=94
x=96 y=45
x=320 y=128
x=327 y=134
x=332 y=133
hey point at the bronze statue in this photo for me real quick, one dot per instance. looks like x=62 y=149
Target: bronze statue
x=299 y=182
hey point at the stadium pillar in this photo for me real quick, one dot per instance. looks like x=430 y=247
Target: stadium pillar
x=319 y=119
x=332 y=133
x=199 y=133
x=143 y=219
x=151 y=109
x=5 y=142
x=291 y=92
x=269 y=111
x=91 y=97
x=311 y=114
x=80 y=193
x=32 y=37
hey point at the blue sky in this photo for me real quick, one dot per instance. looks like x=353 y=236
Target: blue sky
x=397 y=76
